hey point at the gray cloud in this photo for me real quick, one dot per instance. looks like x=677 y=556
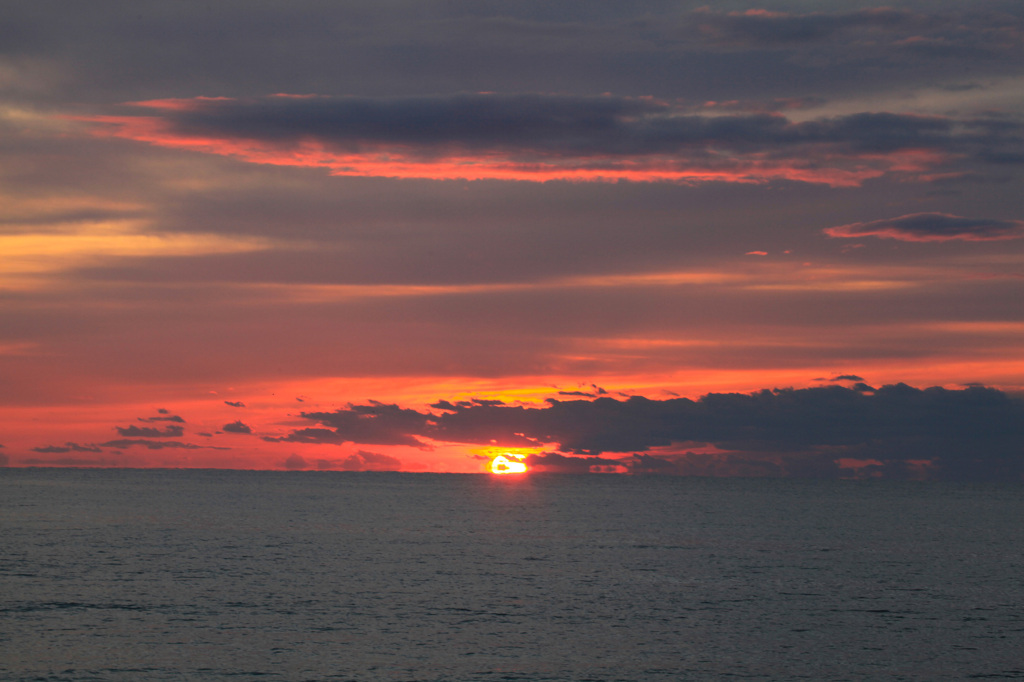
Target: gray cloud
x=165 y=416
x=761 y=27
x=733 y=464
x=370 y=461
x=975 y=432
x=295 y=463
x=77 y=58
x=467 y=120
x=153 y=444
x=376 y=424
x=553 y=462
x=641 y=47
x=886 y=34
x=237 y=427
x=234 y=403
x=171 y=431
x=932 y=227
x=67 y=447
x=566 y=135
x=362 y=460
x=70 y=462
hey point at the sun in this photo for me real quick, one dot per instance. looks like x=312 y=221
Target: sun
x=508 y=464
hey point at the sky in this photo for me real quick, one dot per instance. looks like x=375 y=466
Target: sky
x=779 y=238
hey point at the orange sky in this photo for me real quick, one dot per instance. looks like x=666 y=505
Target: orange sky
x=202 y=256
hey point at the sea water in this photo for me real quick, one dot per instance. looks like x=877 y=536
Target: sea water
x=209 y=575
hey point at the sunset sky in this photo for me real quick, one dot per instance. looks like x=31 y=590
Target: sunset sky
x=782 y=238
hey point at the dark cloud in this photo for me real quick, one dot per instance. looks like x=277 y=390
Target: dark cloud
x=480 y=402
x=171 y=431
x=370 y=461
x=553 y=462
x=360 y=461
x=847 y=377
x=467 y=121
x=67 y=447
x=649 y=464
x=374 y=424
x=309 y=435
x=762 y=27
x=363 y=47
x=165 y=417
x=524 y=136
x=382 y=70
x=932 y=227
x=295 y=463
x=972 y=432
x=763 y=106
x=234 y=404
x=152 y=444
x=889 y=33
x=731 y=464
x=70 y=462
x=237 y=427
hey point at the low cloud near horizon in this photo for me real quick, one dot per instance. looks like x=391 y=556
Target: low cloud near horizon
x=827 y=431
x=974 y=432
x=361 y=460
x=437 y=214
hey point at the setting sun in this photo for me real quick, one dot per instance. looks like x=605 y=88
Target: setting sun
x=503 y=465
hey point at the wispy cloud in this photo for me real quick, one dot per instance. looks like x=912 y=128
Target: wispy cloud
x=933 y=227
x=67 y=447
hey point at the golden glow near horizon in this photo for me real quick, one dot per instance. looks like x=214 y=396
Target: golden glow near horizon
x=508 y=464
x=341 y=278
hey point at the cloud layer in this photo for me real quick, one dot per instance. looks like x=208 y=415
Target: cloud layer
x=933 y=227
x=653 y=182
x=558 y=137
x=971 y=432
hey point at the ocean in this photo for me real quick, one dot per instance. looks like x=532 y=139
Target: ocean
x=217 y=575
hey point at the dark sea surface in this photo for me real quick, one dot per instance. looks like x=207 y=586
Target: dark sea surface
x=208 y=575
